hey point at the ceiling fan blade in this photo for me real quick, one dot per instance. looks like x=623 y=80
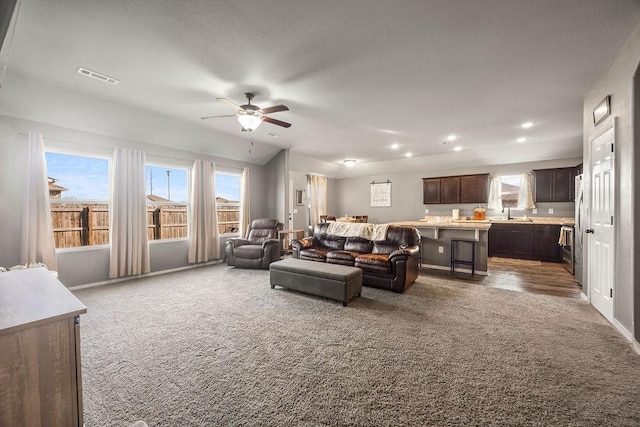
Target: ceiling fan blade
x=274 y=109
x=276 y=122
x=216 y=117
x=233 y=104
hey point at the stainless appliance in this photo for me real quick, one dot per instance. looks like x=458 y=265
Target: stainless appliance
x=581 y=224
x=568 y=257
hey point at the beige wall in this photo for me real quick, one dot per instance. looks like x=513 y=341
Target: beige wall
x=617 y=81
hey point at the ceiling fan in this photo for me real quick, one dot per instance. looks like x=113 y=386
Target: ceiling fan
x=250 y=116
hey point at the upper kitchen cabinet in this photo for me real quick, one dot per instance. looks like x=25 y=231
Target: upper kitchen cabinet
x=450 y=190
x=455 y=189
x=554 y=185
x=473 y=188
x=431 y=191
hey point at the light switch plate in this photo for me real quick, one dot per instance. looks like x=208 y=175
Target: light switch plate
x=535 y=211
x=551 y=211
x=426 y=211
x=440 y=249
x=295 y=211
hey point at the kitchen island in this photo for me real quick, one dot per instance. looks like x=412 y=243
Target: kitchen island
x=436 y=234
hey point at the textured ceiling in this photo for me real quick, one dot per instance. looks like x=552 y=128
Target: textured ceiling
x=356 y=75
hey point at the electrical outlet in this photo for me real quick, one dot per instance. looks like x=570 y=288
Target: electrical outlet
x=535 y=211
x=550 y=211
x=440 y=249
x=426 y=211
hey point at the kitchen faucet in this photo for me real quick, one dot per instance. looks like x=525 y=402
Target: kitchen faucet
x=508 y=211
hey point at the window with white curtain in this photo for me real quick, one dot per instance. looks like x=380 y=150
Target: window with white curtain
x=167 y=195
x=228 y=201
x=79 y=197
x=509 y=190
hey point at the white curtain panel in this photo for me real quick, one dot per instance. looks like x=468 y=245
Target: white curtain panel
x=318 y=196
x=495 y=193
x=128 y=215
x=37 y=243
x=525 y=195
x=245 y=204
x=203 y=221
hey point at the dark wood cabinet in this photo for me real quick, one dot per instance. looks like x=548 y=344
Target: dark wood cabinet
x=554 y=185
x=431 y=191
x=525 y=241
x=474 y=188
x=450 y=190
x=546 y=243
x=455 y=189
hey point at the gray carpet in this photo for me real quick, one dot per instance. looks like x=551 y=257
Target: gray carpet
x=217 y=346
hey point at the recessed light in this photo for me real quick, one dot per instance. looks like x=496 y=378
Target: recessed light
x=349 y=162
x=458 y=148
x=526 y=125
x=451 y=137
x=395 y=145
x=521 y=139
x=408 y=154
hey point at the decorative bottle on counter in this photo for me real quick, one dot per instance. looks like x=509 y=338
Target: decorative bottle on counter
x=479 y=213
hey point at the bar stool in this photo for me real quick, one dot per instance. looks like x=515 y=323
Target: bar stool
x=454 y=260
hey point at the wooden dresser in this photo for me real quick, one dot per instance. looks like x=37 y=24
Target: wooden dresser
x=40 y=375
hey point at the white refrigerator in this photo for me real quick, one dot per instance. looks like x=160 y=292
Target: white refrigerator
x=581 y=224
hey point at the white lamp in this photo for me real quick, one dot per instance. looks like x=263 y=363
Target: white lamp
x=249 y=121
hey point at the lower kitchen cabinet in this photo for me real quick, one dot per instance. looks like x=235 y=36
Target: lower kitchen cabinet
x=525 y=241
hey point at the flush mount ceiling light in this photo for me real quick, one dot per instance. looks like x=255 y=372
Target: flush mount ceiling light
x=408 y=154
x=452 y=137
x=395 y=145
x=249 y=121
x=458 y=148
x=349 y=162
x=521 y=139
x=526 y=125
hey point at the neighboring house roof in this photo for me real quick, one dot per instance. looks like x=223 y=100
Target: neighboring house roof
x=155 y=198
x=223 y=200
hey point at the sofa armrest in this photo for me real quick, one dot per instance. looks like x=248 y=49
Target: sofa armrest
x=300 y=244
x=404 y=252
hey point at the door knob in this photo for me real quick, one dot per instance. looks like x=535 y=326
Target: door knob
x=589 y=230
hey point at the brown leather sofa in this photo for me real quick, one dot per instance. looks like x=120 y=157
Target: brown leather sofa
x=386 y=264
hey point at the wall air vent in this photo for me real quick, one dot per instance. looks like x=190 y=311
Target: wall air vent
x=98 y=76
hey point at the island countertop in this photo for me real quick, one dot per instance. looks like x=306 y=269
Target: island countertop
x=485 y=224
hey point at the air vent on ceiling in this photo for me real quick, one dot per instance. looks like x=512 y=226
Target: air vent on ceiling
x=98 y=76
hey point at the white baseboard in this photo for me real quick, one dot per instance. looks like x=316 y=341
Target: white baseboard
x=140 y=276
x=458 y=270
x=625 y=333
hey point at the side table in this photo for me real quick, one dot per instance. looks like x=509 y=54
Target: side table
x=285 y=239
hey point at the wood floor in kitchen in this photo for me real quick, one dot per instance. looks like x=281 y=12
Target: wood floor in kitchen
x=525 y=276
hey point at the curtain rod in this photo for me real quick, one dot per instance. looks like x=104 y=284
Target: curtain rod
x=159 y=156
x=381 y=182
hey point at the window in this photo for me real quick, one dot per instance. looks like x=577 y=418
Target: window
x=510 y=189
x=79 y=197
x=228 y=202
x=167 y=197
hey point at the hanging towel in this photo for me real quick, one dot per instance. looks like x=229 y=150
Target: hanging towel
x=562 y=241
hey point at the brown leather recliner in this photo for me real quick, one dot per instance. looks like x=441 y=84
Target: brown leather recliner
x=259 y=248
x=387 y=264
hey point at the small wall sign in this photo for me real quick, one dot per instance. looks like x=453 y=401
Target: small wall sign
x=602 y=110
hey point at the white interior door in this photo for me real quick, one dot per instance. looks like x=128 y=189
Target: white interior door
x=291 y=195
x=601 y=230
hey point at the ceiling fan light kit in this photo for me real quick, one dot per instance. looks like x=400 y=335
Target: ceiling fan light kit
x=249 y=121
x=250 y=116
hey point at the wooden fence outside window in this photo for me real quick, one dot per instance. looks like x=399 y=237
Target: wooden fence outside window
x=77 y=224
